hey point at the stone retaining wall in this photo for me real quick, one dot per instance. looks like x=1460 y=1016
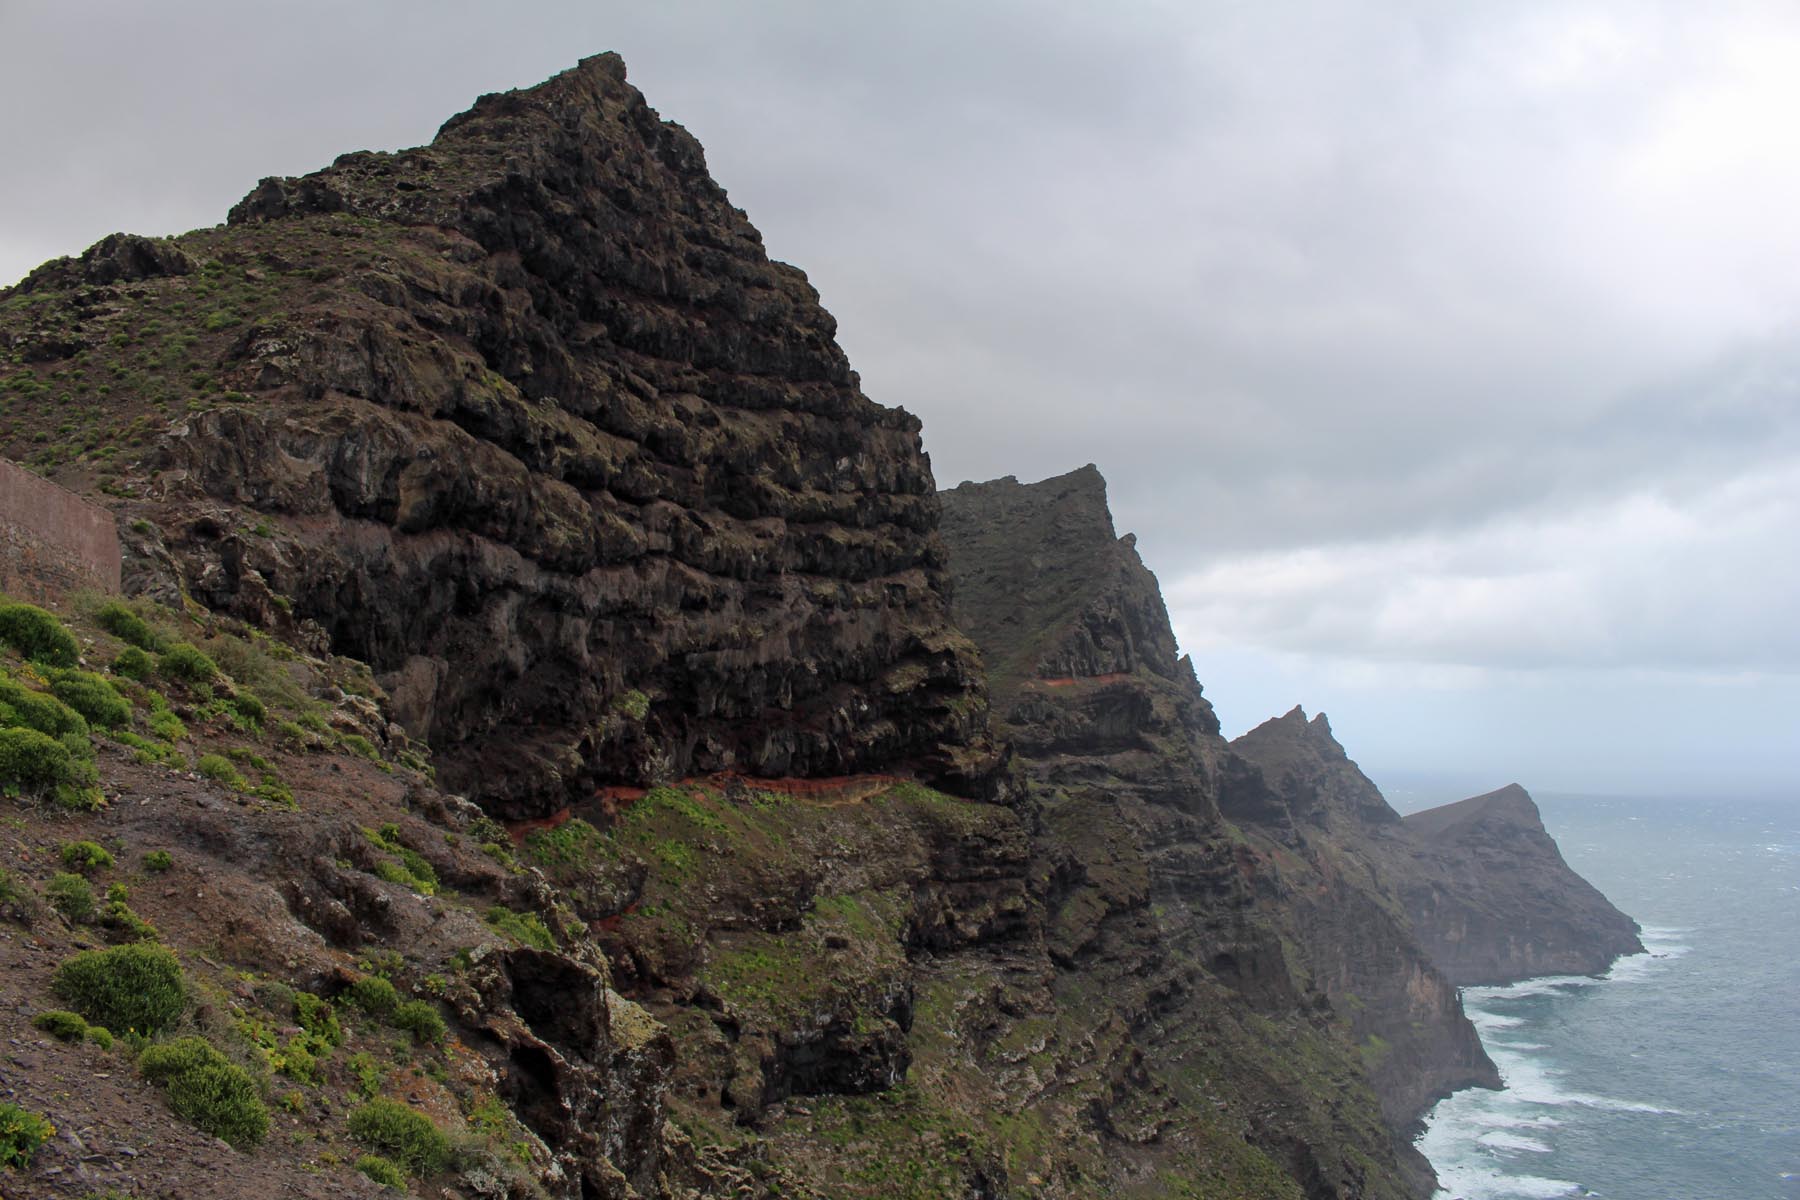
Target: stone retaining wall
x=51 y=540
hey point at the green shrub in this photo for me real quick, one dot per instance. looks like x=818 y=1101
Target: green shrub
x=37 y=635
x=207 y=1090
x=526 y=928
x=217 y=767
x=136 y=987
x=86 y=857
x=127 y=626
x=35 y=710
x=419 y=1018
x=61 y=1024
x=93 y=697
x=21 y=1133
x=33 y=762
x=166 y=725
x=70 y=895
x=374 y=995
x=402 y=1134
x=382 y=1171
x=101 y=1036
x=251 y=709
x=158 y=861
x=133 y=663
x=315 y=1015
x=186 y=662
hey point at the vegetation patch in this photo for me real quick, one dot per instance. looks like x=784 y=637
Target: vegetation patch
x=86 y=857
x=407 y=1137
x=207 y=1089
x=37 y=635
x=527 y=929
x=70 y=895
x=21 y=1133
x=137 y=987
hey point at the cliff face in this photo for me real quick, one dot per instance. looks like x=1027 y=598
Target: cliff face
x=1494 y=902
x=1293 y=790
x=527 y=420
x=1151 y=890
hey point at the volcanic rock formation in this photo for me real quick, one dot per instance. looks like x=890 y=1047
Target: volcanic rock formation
x=527 y=420
x=1494 y=902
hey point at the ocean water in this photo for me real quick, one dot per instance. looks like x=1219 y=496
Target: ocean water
x=1677 y=1075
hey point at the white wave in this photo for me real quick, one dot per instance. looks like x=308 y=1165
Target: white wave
x=1515 y=1045
x=1475 y=1181
x=1543 y=985
x=1512 y=1141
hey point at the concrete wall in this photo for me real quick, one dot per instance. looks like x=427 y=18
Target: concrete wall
x=51 y=540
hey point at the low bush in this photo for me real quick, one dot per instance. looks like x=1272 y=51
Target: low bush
x=186 y=662
x=419 y=1018
x=86 y=857
x=207 y=1090
x=315 y=1015
x=61 y=1024
x=127 y=626
x=70 y=895
x=136 y=987
x=218 y=768
x=374 y=995
x=133 y=663
x=158 y=861
x=93 y=697
x=48 y=715
x=251 y=710
x=33 y=762
x=21 y=1133
x=409 y=1138
x=37 y=635
x=382 y=1171
x=527 y=928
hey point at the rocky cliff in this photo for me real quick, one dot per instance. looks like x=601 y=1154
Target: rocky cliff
x=1125 y=756
x=527 y=420
x=1493 y=901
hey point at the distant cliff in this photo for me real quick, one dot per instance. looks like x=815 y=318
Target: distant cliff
x=1493 y=901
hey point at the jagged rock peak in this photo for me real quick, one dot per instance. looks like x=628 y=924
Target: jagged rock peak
x=528 y=420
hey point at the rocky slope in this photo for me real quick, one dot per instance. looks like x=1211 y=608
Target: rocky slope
x=1493 y=901
x=528 y=421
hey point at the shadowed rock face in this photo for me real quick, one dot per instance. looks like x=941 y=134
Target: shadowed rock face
x=1149 y=890
x=533 y=425
x=1494 y=901
x=1291 y=785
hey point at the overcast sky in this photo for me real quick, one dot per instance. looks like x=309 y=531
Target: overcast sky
x=1443 y=356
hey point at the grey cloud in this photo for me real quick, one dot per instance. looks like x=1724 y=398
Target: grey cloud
x=1296 y=276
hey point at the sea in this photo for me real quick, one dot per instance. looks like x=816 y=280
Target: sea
x=1676 y=1075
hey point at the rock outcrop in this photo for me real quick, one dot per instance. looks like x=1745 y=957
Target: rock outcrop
x=527 y=420
x=1494 y=902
